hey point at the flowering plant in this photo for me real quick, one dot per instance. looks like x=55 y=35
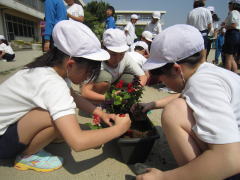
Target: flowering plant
x=120 y=98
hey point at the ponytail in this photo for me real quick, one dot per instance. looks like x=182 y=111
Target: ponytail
x=51 y=58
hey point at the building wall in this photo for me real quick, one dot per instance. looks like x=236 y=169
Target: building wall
x=123 y=17
x=19 y=21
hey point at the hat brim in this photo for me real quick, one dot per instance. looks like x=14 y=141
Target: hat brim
x=150 y=40
x=154 y=17
x=153 y=64
x=119 y=49
x=101 y=55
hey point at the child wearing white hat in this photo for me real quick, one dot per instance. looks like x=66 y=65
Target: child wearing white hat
x=139 y=52
x=130 y=29
x=37 y=105
x=231 y=46
x=6 y=51
x=201 y=123
x=154 y=26
x=201 y=18
x=120 y=66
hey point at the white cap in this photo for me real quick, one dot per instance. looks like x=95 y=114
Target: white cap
x=235 y=1
x=147 y=35
x=156 y=15
x=134 y=16
x=2 y=37
x=115 y=40
x=211 y=8
x=173 y=44
x=77 y=40
x=142 y=44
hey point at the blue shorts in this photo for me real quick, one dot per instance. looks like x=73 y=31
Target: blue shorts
x=205 y=38
x=10 y=146
x=232 y=42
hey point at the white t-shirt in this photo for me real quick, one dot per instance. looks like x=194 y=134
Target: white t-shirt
x=7 y=49
x=35 y=88
x=213 y=94
x=233 y=18
x=130 y=27
x=200 y=18
x=75 y=10
x=155 y=29
x=127 y=65
x=138 y=58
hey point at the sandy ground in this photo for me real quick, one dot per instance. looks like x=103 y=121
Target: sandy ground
x=102 y=164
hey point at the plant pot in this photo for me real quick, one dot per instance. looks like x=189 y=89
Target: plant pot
x=136 y=150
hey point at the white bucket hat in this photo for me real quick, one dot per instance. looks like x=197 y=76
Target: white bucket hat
x=211 y=8
x=174 y=44
x=147 y=35
x=134 y=16
x=142 y=44
x=115 y=40
x=156 y=15
x=77 y=40
x=2 y=37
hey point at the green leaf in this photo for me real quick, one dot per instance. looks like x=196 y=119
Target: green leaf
x=93 y=127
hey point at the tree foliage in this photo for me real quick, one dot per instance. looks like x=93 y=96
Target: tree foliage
x=95 y=16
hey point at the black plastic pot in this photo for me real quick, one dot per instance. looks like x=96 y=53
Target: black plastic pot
x=136 y=150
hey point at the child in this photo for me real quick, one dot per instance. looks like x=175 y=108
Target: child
x=219 y=46
x=119 y=66
x=110 y=21
x=154 y=26
x=37 y=106
x=232 y=36
x=129 y=30
x=6 y=51
x=202 y=123
x=147 y=37
x=139 y=52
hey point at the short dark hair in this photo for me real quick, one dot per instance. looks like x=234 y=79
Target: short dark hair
x=138 y=48
x=112 y=9
x=215 y=17
x=236 y=6
x=199 y=3
x=191 y=61
x=56 y=57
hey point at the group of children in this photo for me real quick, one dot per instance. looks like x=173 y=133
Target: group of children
x=201 y=122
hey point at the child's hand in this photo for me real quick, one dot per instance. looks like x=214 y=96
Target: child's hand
x=123 y=121
x=108 y=118
x=146 y=106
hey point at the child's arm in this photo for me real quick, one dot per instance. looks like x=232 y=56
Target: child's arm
x=87 y=106
x=159 y=104
x=143 y=79
x=219 y=162
x=88 y=92
x=80 y=140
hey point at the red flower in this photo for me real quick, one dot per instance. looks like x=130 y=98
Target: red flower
x=120 y=84
x=96 y=119
x=130 y=85
x=130 y=90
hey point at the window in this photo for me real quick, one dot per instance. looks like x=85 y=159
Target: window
x=17 y=26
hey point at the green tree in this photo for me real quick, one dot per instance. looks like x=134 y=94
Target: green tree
x=95 y=16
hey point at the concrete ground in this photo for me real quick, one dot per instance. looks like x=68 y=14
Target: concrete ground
x=102 y=164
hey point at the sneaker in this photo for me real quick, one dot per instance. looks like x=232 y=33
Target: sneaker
x=41 y=162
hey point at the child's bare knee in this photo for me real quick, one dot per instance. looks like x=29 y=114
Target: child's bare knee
x=171 y=111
